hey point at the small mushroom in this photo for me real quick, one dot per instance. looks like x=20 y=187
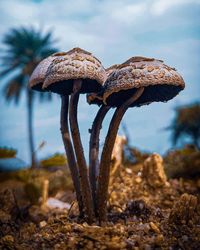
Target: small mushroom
x=36 y=81
x=95 y=98
x=111 y=69
x=161 y=82
x=77 y=72
x=136 y=82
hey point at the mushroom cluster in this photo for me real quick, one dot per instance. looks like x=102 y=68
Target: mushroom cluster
x=134 y=83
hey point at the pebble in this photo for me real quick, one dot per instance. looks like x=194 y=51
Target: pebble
x=138 y=180
x=42 y=224
x=8 y=239
x=185 y=238
x=154 y=227
x=128 y=170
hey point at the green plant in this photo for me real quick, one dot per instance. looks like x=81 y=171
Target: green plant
x=7 y=153
x=186 y=124
x=183 y=162
x=54 y=160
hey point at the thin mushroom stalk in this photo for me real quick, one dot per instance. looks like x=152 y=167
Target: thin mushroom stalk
x=83 y=171
x=104 y=169
x=64 y=128
x=94 y=150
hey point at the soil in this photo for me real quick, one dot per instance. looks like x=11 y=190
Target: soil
x=141 y=215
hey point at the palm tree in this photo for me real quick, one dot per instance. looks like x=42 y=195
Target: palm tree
x=24 y=49
x=187 y=124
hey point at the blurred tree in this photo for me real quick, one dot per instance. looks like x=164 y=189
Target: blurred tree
x=187 y=124
x=24 y=49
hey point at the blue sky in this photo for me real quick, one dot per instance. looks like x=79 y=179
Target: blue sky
x=113 y=31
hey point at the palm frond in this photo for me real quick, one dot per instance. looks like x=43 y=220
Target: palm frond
x=26 y=44
x=24 y=48
x=14 y=87
x=7 y=70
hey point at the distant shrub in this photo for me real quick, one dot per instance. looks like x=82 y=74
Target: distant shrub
x=54 y=160
x=186 y=124
x=183 y=162
x=132 y=155
x=7 y=152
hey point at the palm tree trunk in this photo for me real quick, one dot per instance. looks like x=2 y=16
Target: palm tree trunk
x=30 y=127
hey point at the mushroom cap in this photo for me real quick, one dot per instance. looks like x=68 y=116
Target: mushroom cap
x=95 y=98
x=38 y=76
x=161 y=82
x=75 y=64
x=111 y=69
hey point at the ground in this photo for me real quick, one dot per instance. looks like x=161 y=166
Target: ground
x=142 y=214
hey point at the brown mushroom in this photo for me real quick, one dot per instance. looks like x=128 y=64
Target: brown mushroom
x=136 y=82
x=36 y=81
x=77 y=72
x=111 y=69
x=95 y=98
x=37 y=77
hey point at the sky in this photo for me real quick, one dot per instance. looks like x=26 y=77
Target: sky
x=113 y=30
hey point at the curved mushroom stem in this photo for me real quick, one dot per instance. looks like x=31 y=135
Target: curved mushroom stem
x=64 y=128
x=83 y=171
x=104 y=171
x=94 y=149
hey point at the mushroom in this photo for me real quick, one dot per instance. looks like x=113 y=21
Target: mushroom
x=36 y=81
x=136 y=82
x=77 y=72
x=37 y=77
x=111 y=69
x=95 y=98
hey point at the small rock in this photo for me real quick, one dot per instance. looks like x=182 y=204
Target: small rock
x=154 y=227
x=138 y=180
x=185 y=238
x=43 y=223
x=184 y=209
x=153 y=171
x=159 y=239
x=128 y=170
x=4 y=217
x=8 y=240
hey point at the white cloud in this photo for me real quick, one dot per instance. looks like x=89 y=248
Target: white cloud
x=113 y=30
x=129 y=13
x=159 y=7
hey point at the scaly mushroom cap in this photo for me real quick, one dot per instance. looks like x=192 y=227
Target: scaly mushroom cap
x=160 y=81
x=75 y=64
x=95 y=98
x=111 y=69
x=38 y=76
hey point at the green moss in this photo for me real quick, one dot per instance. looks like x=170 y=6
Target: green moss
x=7 y=153
x=54 y=160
